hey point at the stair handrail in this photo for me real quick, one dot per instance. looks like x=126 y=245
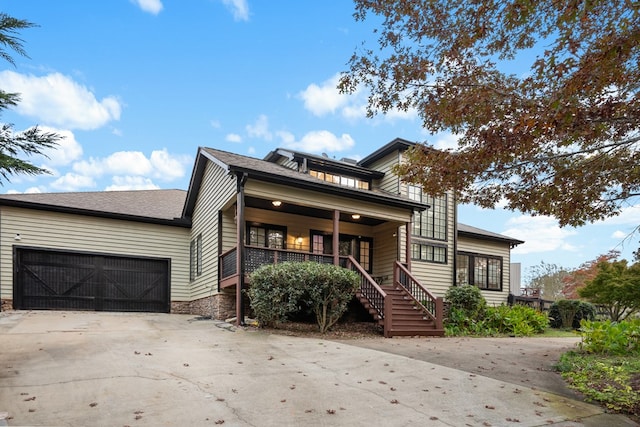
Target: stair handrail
x=435 y=309
x=377 y=297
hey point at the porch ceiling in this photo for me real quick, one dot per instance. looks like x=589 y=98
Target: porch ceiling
x=255 y=202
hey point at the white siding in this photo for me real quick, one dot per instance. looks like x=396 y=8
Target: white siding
x=41 y=229
x=485 y=247
x=217 y=190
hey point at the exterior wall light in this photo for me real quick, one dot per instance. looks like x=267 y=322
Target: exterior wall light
x=355 y=216
x=276 y=203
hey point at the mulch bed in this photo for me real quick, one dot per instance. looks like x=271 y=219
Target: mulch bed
x=346 y=330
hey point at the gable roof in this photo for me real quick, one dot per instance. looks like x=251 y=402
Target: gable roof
x=397 y=144
x=478 y=233
x=152 y=206
x=272 y=172
x=348 y=166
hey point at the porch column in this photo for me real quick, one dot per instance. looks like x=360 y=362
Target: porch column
x=407 y=244
x=336 y=237
x=240 y=231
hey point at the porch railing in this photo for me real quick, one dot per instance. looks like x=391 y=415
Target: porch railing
x=378 y=299
x=432 y=306
x=256 y=256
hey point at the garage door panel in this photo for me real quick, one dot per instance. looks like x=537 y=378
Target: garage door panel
x=61 y=280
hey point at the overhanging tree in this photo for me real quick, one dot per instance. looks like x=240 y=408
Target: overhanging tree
x=557 y=136
x=14 y=146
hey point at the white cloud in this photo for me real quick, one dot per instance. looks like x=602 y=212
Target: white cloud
x=67 y=151
x=152 y=6
x=124 y=183
x=260 y=129
x=215 y=124
x=324 y=99
x=629 y=215
x=286 y=137
x=239 y=9
x=322 y=141
x=619 y=235
x=30 y=190
x=233 y=137
x=73 y=182
x=168 y=167
x=540 y=234
x=160 y=164
x=443 y=141
x=251 y=151
x=58 y=100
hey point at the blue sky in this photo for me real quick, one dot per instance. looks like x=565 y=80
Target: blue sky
x=137 y=85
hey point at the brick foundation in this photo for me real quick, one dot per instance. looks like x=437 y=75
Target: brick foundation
x=6 y=305
x=220 y=306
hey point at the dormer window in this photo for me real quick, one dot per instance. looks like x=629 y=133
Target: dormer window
x=345 y=181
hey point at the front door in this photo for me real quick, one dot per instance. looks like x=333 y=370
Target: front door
x=360 y=247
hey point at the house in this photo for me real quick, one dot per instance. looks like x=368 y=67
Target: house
x=193 y=251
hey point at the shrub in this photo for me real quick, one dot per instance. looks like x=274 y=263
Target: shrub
x=328 y=291
x=280 y=290
x=613 y=338
x=275 y=292
x=584 y=310
x=467 y=298
x=518 y=320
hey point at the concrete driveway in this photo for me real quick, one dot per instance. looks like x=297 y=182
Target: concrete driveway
x=117 y=369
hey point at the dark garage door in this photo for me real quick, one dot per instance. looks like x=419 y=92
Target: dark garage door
x=55 y=280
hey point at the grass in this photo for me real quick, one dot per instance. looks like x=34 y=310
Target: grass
x=613 y=381
x=559 y=333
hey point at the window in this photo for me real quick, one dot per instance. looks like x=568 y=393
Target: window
x=483 y=271
x=195 y=257
x=345 y=181
x=365 y=254
x=429 y=253
x=267 y=236
x=360 y=247
x=431 y=223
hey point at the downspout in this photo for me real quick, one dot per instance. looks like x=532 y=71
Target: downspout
x=240 y=232
x=455 y=239
x=336 y=237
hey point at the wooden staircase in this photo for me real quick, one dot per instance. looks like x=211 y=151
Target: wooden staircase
x=405 y=308
x=407 y=319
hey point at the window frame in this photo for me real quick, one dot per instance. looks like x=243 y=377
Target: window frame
x=195 y=257
x=430 y=247
x=267 y=228
x=340 y=179
x=432 y=223
x=473 y=268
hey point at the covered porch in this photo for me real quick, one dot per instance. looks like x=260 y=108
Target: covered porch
x=371 y=240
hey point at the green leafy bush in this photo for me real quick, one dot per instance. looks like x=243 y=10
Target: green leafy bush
x=583 y=310
x=518 y=320
x=470 y=315
x=276 y=291
x=467 y=298
x=614 y=338
x=280 y=290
